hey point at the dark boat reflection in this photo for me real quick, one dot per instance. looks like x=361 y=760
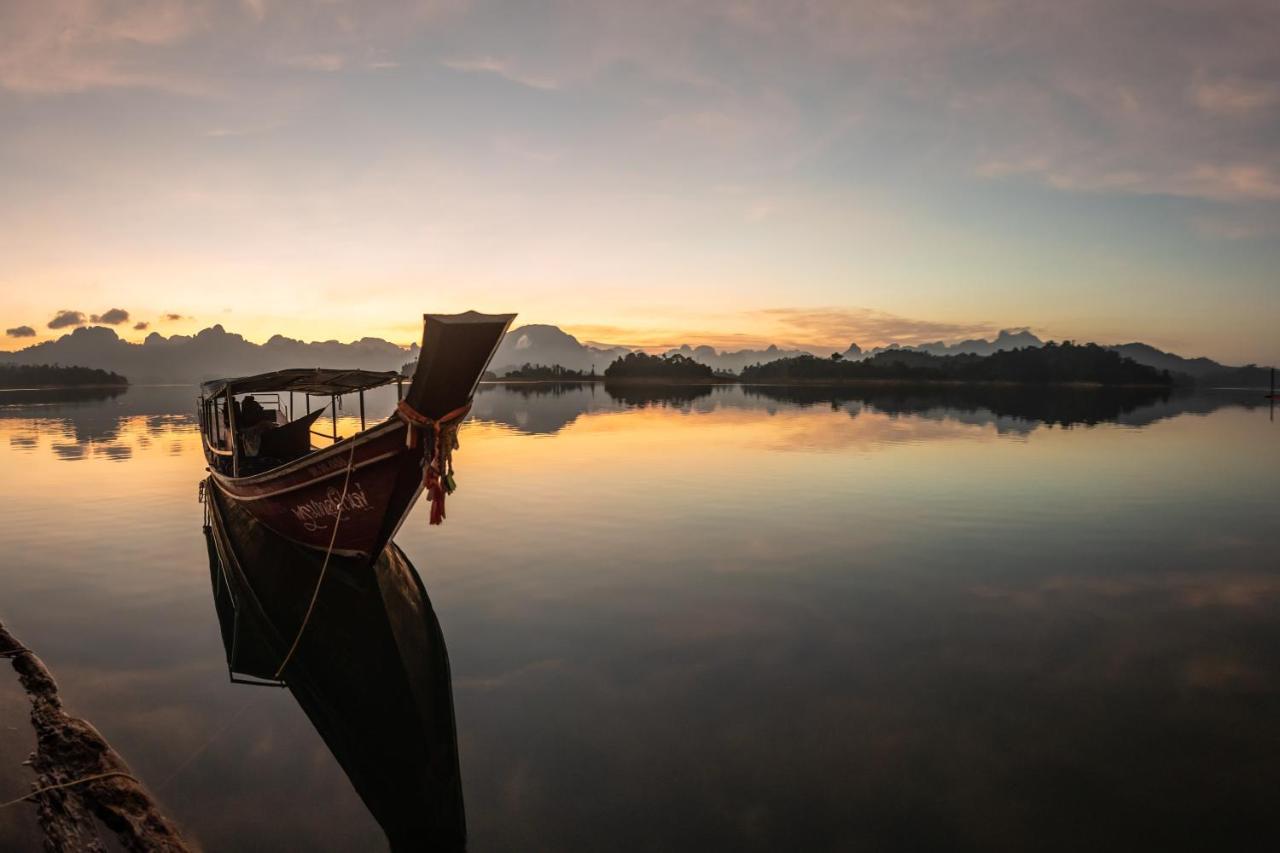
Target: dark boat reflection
x=370 y=670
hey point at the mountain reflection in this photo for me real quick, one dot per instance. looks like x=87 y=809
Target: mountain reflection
x=100 y=423
x=370 y=670
x=547 y=408
x=109 y=424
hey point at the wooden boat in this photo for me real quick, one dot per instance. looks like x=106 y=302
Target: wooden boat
x=349 y=498
x=370 y=668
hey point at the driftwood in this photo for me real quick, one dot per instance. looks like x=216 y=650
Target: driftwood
x=80 y=778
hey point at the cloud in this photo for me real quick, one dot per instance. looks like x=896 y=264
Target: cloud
x=112 y=317
x=865 y=326
x=317 y=61
x=499 y=68
x=141 y=326
x=65 y=318
x=21 y=332
x=175 y=317
x=248 y=130
x=1236 y=98
x=53 y=46
x=1038 y=90
x=817 y=329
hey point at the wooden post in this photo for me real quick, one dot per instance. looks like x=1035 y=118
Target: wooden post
x=362 y=410
x=333 y=403
x=289 y=414
x=235 y=445
x=399 y=389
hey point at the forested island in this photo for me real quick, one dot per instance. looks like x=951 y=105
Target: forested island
x=57 y=376
x=1065 y=363
x=548 y=373
x=672 y=367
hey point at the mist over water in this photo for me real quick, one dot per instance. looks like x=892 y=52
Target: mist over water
x=719 y=618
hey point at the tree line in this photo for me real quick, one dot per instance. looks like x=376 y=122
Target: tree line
x=545 y=373
x=56 y=375
x=674 y=366
x=1052 y=363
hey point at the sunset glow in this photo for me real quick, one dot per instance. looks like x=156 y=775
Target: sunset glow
x=735 y=174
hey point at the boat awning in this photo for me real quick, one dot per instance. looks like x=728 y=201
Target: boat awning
x=320 y=381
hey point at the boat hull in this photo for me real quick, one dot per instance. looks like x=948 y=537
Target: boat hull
x=304 y=501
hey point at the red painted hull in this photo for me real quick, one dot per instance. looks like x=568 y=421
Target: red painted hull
x=300 y=501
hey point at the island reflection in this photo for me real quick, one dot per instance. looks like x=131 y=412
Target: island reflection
x=1009 y=408
x=107 y=423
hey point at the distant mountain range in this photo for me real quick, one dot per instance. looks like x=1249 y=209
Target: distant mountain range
x=1006 y=339
x=209 y=354
x=215 y=352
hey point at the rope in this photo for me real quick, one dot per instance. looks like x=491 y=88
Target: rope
x=47 y=788
x=437 y=469
x=337 y=519
x=226 y=724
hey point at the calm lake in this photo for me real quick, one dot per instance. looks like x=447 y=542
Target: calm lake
x=716 y=618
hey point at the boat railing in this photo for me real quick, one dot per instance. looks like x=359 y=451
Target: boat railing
x=329 y=438
x=216 y=450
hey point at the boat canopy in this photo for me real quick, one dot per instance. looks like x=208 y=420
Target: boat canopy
x=319 y=381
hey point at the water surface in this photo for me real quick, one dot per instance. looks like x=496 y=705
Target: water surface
x=720 y=618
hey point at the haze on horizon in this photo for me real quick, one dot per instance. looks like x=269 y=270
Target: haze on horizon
x=732 y=172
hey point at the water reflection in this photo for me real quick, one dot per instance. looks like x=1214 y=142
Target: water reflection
x=105 y=422
x=547 y=408
x=731 y=622
x=96 y=422
x=370 y=670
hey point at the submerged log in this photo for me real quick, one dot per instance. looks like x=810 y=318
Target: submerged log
x=81 y=782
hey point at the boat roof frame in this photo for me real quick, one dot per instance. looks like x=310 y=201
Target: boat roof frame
x=319 y=381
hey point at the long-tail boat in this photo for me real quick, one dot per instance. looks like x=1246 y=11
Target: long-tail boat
x=368 y=666
x=348 y=498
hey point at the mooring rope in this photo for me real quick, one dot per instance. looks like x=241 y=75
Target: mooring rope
x=337 y=519
x=38 y=791
x=186 y=762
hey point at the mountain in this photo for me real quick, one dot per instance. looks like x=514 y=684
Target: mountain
x=1007 y=339
x=215 y=352
x=737 y=360
x=548 y=345
x=209 y=354
x=1201 y=371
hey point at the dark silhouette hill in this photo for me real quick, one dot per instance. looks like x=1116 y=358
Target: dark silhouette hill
x=1006 y=339
x=56 y=376
x=736 y=360
x=1051 y=363
x=541 y=344
x=215 y=352
x=1201 y=371
x=209 y=354
x=664 y=368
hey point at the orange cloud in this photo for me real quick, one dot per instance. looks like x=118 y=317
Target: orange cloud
x=792 y=328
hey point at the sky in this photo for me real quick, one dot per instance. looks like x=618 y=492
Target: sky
x=732 y=172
